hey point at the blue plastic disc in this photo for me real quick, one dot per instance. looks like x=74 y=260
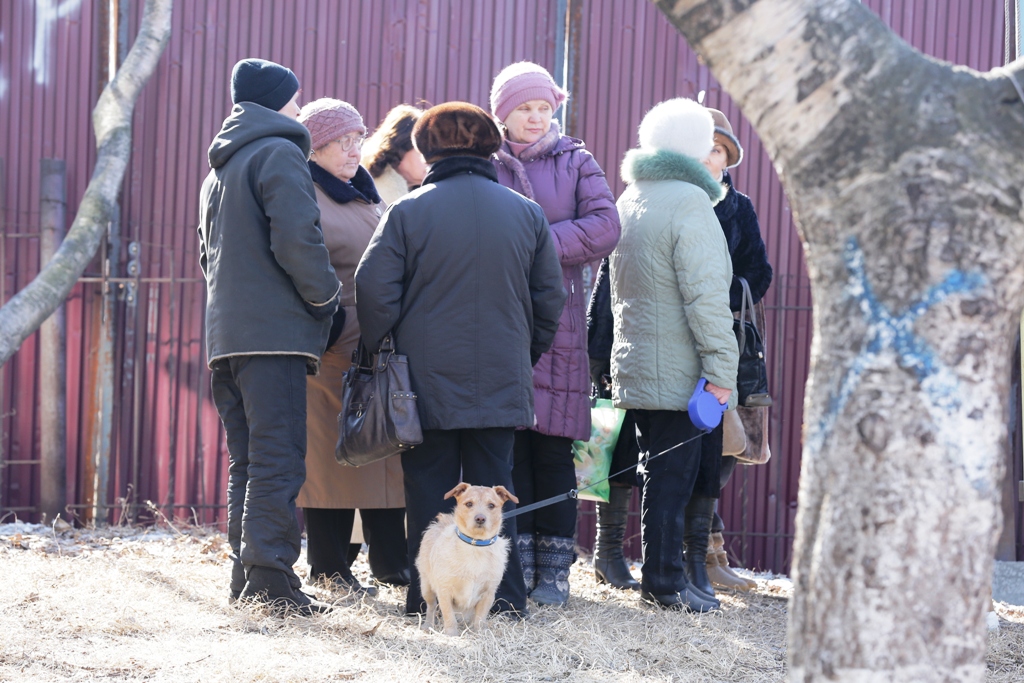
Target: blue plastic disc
x=705 y=410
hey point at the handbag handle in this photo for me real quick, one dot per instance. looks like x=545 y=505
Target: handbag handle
x=746 y=305
x=362 y=359
x=387 y=349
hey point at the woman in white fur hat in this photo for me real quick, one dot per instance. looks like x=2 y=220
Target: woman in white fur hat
x=670 y=278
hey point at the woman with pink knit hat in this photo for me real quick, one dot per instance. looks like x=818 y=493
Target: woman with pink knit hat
x=350 y=209
x=557 y=172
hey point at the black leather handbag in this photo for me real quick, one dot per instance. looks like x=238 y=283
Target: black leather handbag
x=752 y=378
x=379 y=417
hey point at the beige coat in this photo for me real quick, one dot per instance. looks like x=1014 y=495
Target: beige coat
x=347 y=229
x=391 y=186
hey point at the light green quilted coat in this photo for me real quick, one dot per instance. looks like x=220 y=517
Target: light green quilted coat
x=670 y=278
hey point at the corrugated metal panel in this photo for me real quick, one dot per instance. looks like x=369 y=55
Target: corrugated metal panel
x=167 y=443
x=631 y=58
x=47 y=82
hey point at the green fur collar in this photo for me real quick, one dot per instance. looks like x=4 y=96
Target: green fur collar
x=643 y=164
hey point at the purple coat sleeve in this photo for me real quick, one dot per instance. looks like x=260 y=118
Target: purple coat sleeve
x=594 y=232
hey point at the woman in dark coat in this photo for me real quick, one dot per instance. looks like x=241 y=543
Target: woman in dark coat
x=709 y=567
x=465 y=273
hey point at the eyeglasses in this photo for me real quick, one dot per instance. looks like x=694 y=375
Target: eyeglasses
x=348 y=142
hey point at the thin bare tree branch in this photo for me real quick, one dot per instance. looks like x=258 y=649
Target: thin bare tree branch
x=111 y=117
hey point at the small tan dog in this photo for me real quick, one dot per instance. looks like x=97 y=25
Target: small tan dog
x=462 y=557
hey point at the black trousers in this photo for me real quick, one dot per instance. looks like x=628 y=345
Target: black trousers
x=329 y=530
x=626 y=453
x=543 y=468
x=262 y=403
x=728 y=467
x=482 y=457
x=668 y=483
x=709 y=476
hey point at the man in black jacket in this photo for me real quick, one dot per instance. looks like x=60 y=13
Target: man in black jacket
x=464 y=271
x=271 y=292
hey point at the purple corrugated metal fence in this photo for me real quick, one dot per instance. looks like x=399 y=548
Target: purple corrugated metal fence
x=629 y=58
x=166 y=441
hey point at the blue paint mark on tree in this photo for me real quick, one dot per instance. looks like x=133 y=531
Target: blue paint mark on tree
x=895 y=333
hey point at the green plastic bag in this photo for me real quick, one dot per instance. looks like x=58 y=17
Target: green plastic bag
x=593 y=458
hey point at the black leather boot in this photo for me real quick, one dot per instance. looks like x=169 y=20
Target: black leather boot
x=686 y=599
x=700 y=512
x=237 y=578
x=609 y=564
x=271 y=587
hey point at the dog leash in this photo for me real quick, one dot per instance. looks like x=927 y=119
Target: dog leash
x=573 y=494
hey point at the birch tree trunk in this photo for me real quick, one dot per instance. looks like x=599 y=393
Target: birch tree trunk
x=111 y=120
x=905 y=176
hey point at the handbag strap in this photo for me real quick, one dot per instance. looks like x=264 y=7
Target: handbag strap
x=746 y=310
x=361 y=357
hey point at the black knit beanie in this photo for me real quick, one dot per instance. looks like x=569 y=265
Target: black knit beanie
x=265 y=83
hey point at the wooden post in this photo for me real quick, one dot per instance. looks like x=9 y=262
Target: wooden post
x=52 y=344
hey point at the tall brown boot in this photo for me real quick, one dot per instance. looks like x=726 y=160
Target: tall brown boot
x=718 y=567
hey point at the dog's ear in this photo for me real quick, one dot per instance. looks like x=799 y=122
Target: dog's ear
x=457 y=491
x=504 y=494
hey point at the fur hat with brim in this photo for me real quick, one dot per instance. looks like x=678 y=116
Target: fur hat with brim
x=456 y=129
x=681 y=126
x=725 y=137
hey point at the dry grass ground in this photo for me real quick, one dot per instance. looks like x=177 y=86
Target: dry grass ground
x=150 y=604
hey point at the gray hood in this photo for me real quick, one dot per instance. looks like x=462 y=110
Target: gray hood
x=248 y=122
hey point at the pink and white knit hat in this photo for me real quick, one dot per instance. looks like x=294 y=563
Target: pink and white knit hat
x=522 y=82
x=328 y=119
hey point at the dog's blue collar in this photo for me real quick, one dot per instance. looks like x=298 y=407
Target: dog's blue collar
x=476 y=541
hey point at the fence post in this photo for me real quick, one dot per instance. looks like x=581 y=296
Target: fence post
x=3 y=300
x=52 y=356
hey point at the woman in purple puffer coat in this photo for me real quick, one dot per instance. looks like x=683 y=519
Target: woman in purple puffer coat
x=557 y=172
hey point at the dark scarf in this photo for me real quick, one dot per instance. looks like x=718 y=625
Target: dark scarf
x=446 y=168
x=535 y=151
x=360 y=187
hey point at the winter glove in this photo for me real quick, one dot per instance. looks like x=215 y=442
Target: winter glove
x=600 y=377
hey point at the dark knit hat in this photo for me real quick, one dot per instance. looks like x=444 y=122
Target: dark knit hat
x=725 y=137
x=265 y=83
x=456 y=129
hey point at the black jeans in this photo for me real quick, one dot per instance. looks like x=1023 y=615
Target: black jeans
x=329 y=531
x=262 y=403
x=543 y=468
x=482 y=457
x=668 y=482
